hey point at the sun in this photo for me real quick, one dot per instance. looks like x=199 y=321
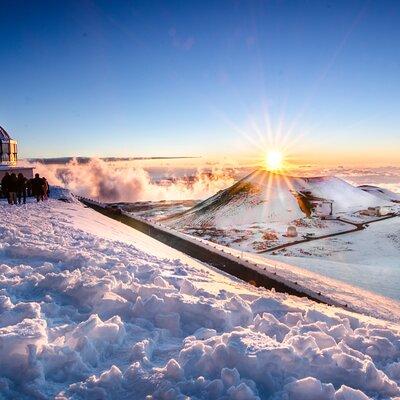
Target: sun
x=274 y=160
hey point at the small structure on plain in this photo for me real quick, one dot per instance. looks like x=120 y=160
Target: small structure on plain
x=9 y=157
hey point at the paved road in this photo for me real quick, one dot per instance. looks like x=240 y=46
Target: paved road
x=359 y=226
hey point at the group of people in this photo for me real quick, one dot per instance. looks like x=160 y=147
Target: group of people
x=17 y=188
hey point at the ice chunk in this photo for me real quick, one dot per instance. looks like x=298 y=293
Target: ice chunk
x=102 y=333
x=393 y=370
x=269 y=325
x=14 y=345
x=169 y=321
x=323 y=340
x=204 y=333
x=173 y=370
x=241 y=392
x=230 y=377
x=347 y=393
x=11 y=314
x=187 y=287
x=111 y=304
x=309 y=389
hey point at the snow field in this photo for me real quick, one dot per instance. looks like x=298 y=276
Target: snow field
x=381 y=192
x=331 y=290
x=86 y=316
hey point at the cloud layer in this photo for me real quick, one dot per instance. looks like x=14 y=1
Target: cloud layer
x=130 y=181
x=105 y=181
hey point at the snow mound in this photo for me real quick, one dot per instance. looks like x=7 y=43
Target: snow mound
x=261 y=196
x=85 y=315
x=346 y=197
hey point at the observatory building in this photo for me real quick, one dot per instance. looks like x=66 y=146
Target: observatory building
x=9 y=156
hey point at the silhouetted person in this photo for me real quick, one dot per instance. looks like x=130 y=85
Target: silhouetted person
x=12 y=189
x=21 y=188
x=29 y=187
x=46 y=189
x=5 y=185
x=38 y=187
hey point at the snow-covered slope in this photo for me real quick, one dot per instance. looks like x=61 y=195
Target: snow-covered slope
x=269 y=197
x=346 y=197
x=383 y=193
x=368 y=258
x=259 y=197
x=60 y=193
x=91 y=309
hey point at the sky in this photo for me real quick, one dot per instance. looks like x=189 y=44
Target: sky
x=319 y=79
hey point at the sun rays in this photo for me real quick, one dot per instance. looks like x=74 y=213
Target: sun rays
x=274 y=160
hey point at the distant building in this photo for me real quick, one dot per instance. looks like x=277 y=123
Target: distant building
x=9 y=156
x=385 y=210
x=378 y=211
x=322 y=207
x=291 y=231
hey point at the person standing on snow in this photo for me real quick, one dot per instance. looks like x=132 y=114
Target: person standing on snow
x=4 y=186
x=37 y=187
x=21 y=188
x=29 y=187
x=12 y=189
x=45 y=188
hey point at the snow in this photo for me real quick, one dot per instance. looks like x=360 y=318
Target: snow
x=381 y=192
x=266 y=197
x=346 y=197
x=252 y=216
x=320 y=278
x=60 y=193
x=91 y=309
x=263 y=236
x=367 y=258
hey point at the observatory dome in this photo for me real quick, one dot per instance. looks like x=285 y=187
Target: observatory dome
x=8 y=148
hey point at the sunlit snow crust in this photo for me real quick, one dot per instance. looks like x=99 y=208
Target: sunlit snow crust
x=89 y=310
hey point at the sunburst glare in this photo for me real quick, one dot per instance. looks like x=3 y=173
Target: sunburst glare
x=274 y=160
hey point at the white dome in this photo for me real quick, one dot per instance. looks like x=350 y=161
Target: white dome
x=8 y=149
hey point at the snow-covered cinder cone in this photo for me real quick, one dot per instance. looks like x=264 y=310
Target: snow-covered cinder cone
x=267 y=197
